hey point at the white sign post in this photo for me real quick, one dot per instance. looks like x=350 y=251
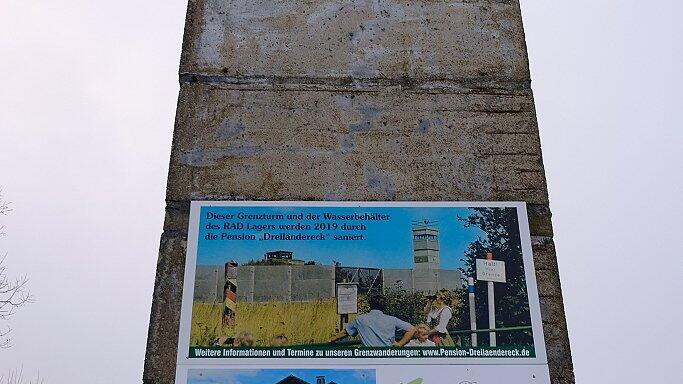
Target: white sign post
x=347 y=298
x=492 y=271
x=347 y=301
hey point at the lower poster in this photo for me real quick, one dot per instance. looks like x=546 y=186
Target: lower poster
x=404 y=374
x=372 y=284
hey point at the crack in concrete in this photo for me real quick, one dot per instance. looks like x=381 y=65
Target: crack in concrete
x=488 y=86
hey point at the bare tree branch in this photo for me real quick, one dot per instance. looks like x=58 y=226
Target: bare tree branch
x=4 y=210
x=13 y=291
x=5 y=342
x=13 y=295
x=5 y=207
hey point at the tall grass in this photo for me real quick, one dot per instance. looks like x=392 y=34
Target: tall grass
x=207 y=324
x=305 y=322
x=301 y=322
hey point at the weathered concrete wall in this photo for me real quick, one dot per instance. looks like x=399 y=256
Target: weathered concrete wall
x=308 y=282
x=285 y=283
x=208 y=284
x=356 y=39
x=401 y=279
x=313 y=282
x=421 y=280
x=353 y=100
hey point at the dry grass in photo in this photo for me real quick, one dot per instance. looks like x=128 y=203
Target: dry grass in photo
x=301 y=322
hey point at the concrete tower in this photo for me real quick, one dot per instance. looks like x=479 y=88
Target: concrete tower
x=426 y=247
x=426 y=256
x=414 y=100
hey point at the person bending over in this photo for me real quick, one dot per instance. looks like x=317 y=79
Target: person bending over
x=377 y=329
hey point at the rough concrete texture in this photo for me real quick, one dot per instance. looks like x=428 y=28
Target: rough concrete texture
x=355 y=40
x=353 y=100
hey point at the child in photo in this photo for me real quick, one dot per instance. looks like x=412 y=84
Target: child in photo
x=244 y=339
x=279 y=340
x=421 y=337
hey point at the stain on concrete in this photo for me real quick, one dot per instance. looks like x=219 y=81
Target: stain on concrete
x=207 y=157
x=199 y=157
x=262 y=27
x=229 y=128
x=423 y=125
x=346 y=143
x=243 y=150
x=344 y=102
x=369 y=114
x=324 y=13
x=368 y=117
x=380 y=181
x=365 y=66
x=336 y=194
x=361 y=69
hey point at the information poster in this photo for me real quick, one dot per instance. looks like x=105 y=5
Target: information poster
x=338 y=292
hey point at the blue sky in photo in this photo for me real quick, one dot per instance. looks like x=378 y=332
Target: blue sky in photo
x=272 y=376
x=388 y=244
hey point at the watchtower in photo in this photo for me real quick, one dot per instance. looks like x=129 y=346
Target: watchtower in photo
x=426 y=247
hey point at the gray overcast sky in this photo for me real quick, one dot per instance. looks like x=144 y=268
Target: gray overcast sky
x=87 y=106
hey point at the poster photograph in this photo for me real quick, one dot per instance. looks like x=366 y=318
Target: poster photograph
x=304 y=281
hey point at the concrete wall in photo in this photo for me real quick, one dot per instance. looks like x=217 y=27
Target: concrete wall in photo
x=313 y=282
x=309 y=282
x=357 y=100
x=209 y=283
x=449 y=279
x=401 y=279
x=285 y=283
x=421 y=280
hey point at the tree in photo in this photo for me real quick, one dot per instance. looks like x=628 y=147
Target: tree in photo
x=512 y=304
